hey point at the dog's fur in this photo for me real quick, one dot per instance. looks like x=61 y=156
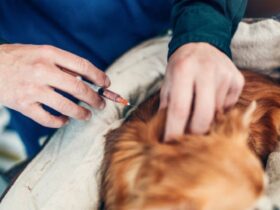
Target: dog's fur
x=217 y=171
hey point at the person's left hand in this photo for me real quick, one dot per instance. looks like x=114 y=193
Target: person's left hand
x=198 y=74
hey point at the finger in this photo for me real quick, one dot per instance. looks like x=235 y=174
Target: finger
x=163 y=97
x=164 y=91
x=39 y=115
x=178 y=107
x=68 y=72
x=221 y=93
x=74 y=87
x=204 y=106
x=234 y=92
x=63 y=105
x=78 y=65
x=232 y=97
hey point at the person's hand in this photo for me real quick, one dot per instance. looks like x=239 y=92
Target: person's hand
x=199 y=80
x=29 y=74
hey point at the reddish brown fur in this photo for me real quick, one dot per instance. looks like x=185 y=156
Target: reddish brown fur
x=264 y=129
x=216 y=171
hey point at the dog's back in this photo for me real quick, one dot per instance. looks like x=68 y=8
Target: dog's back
x=216 y=171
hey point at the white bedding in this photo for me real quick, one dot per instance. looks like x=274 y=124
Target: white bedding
x=65 y=175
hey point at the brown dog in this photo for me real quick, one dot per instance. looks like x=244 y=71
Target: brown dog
x=217 y=171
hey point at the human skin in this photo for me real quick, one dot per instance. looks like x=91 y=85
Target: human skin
x=202 y=75
x=201 y=70
x=30 y=73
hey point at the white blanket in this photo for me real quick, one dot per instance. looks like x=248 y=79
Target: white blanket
x=65 y=175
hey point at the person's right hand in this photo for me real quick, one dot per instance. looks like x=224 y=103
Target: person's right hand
x=29 y=74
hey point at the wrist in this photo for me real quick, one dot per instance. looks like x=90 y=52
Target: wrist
x=193 y=47
x=222 y=44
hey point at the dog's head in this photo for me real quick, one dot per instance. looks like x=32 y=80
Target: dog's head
x=217 y=171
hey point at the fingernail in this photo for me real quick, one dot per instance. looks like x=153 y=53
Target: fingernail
x=88 y=117
x=107 y=82
x=79 y=78
x=102 y=105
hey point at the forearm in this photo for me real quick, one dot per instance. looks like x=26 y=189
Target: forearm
x=211 y=21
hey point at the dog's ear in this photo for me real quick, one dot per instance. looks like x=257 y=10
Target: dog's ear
x=275 y=115
x=156 y=125
x=248 y=115
x=235 y=123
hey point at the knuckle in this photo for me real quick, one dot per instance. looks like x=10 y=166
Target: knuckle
x=39 y=65
x=84 y=65
x=209 y=64
x=81 y=88
x=179 y=110
x=98 y=101
x=51 y=121
x=225 y=79
x=63 y=106
x=30 y=91
x=241 y=81
x=38 y=115
x=94 y=100
x=47 y=121
x=213 y=71
x=23 y=100
x=39 y=69
x=22 y=104
x=102 y=77
x=237 y=87
x=226 y=75
x=181 y=64
x=79 y=112
x=46 y=50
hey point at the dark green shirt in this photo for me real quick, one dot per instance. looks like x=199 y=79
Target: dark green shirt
x=211 y=21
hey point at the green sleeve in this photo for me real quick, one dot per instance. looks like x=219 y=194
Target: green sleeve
x=211 y=21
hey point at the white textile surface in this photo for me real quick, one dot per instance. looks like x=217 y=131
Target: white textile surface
x=65 y=175
x=256 y=46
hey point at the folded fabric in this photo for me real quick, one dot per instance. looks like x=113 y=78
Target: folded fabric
x=66 y=174
x=256 y=46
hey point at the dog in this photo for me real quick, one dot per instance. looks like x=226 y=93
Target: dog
x=222 y=170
